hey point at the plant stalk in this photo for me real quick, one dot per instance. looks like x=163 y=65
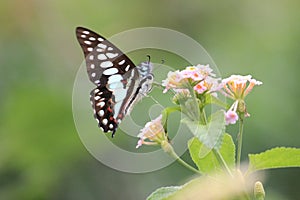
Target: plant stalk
x=222 y=161
x=240 y=142
x=167 y=147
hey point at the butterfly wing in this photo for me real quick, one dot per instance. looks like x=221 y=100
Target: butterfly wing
x=113 y=73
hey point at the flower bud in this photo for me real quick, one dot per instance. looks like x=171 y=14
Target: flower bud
x=259 y=192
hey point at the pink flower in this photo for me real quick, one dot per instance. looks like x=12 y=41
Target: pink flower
x=200 y=87
x=199 y=76
x=153 y=133
x=209 y=85
x=237 y=87
x=231 y=115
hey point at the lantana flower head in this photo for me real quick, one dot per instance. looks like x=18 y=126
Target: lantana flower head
x=199 y=76
x=237 y=87
x=153 y=133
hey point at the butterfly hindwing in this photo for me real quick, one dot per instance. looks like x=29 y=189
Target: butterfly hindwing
x=103 y=104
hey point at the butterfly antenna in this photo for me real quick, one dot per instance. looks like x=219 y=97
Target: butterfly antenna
x=149 y=58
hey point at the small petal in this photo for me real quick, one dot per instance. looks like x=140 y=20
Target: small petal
x=139 y=143
x=200 y=88
x=231 y=117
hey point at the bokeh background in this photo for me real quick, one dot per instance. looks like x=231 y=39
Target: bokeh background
x=41 y=156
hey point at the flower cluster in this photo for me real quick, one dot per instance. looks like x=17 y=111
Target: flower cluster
x=237 y=87
x=199 y=77
x=191 y=86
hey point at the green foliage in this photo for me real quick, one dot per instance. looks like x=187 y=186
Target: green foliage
x=210 y=163
x=44 y=145
x=280 y=157
x=210 y=134
x=163 y=193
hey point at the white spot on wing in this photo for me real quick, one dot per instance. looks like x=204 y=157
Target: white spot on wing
x=101 y=104
x=83 y=36
x=111 y=126
x=121 y=62
x=112 y=55
x=96 y=81
x=104 y=121
x=101 y=113
x=86 y=32
x=91 y=57
x=100 y=39
x=127 y=68
x=99 y=50
x=96 y=98
x=93 y=74
x=92 y=38
x=110 y=71
x=110 y=49
x=102 y=57
x=106 y=64
x=87 y=42
x=120 y=93
x=92 y=66
x=90 y=49
x=102 y=46
x=114 y=78
x=96 y=90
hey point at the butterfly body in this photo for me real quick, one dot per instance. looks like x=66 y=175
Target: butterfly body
x=119 y=83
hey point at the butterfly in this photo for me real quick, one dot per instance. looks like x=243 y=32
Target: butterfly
x=120 y=84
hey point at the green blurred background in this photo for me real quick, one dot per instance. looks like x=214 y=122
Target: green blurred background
x=41 y=156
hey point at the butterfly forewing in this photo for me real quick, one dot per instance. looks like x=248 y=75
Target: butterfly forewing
x=103 y=59
x=117 y=79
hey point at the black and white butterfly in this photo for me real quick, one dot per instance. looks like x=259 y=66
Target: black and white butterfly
x=119 y=83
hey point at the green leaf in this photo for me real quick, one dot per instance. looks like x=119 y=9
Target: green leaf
x=212 y=133
x=210 y=163
x=279 y=157
x=163 y=193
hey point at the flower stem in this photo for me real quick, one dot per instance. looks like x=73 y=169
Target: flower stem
x=167 y=147
x=222 y=161
x=240 y=142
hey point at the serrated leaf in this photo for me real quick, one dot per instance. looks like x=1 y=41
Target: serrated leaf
x=210 y=134
x=163 y=193
x=279 y=157
x=210 y=163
